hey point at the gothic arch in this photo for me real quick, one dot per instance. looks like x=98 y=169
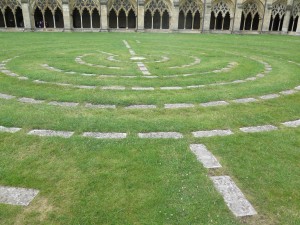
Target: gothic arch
x=294 y=17
x=221 y=15
x=47 y=12
x=190 y=14
x=11 y=13
x=122 y=14
x=252 y=15
x=85 y=13
x=277 y=15
x=157 y=14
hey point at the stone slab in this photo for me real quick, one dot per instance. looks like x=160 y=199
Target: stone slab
x=295 y=123
x=179 y=105
x=171 y=88
x=89 y=105
x=9 y=129
x=30 y=100
x=212 y=133
x=99 y=135
x=85 y=87
x=215 y=103
x=204 y=156
x=64 y=104
x=233 y=196
x=258 y=128
x=196 y=86
x=173 y=135
x=244 y=100
x=23 y=78
x=143 y=88
x=17 y=196
x=141 y=107
x=51 y=133
x=288 y=92
x=5 y=96
x=113 y=88
x=270 y=96
x=297 y=88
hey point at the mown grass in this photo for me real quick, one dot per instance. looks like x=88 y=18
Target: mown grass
x=134 y=181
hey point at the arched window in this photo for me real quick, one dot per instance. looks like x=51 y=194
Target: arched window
x=294 y=18
x=19 y=17
x=59 y=19
x=38 y=18
x=76 y=18
x=49 y=22
x=124 y=11
x=189 y=16
x=220 y=16
x=159 y=16
x=277 y=16
x=9 y=17
x=96 y=19
x=2 y=24
x=86 y=19
x=250 y=15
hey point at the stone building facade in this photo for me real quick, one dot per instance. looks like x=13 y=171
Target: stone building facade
x=197 y=16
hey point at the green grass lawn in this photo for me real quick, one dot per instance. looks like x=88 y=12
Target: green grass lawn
x=149 y=181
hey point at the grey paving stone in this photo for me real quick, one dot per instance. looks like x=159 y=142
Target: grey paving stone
x=179 y=105
x=99 y=135
x=88 y=74
x=260 y=75
x=204 y=156
x=211 y=133
x=146 y=72
x=258 y=128
x=9 y=129
x=215 y=103
x=113 y=88
x=23 y=78
x=89 y=105
x=5 y=96
x=137 y=58
x=297 y=88
x=233 y=196
x=143 y=88
x=196 y=86
x=17 y=196
x=85 y=87
x=64 y=104
x=40 y=82
x=30 y=100
x=62 y=84
x=270 y=96
x=51 y=133
x=238 y=81
x=171 y=88
x=295 y=123
x=70 y=72
x=288 y=92
x=251 y=78
x=141 y=107
x=244 y=100
x=173 y=135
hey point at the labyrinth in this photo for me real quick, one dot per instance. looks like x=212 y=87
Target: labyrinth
x=148 y=128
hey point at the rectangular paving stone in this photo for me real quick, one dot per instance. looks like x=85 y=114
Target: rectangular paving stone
x=215 y=103
x=244 y=100
x=233 y=196
x=270 y=96
x=258 y=128
x=146 y=72
x=196 y=86
x=173 y=135
x=17 y=196
x=297 y=88
x=51 y=133
x=141 y=107
x=23 y=78
x=295 y=123
x=85 y=87
x=171 y=88
x=5 y=96
x=288 y=92
x=143 y=88
x=212 y=133
x=251 y=78
x=30 y=100
x=204 y=156
x=99 y=135
x=9 y=129
x=179 y=105
x=113 y=88
x=64 y=104
x=89 y=105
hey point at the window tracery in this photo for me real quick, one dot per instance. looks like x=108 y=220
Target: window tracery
x=277 y=16
x=155 y=5
x=118 y=5
x=220 y=7
x=190 y=5
x=90 y=5
x=11 y=13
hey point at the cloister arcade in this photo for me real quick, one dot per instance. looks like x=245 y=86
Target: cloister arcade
x=225 y=16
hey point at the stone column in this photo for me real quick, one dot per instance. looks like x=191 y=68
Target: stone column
x=28 y=25
x=287 y=17
x=66 y=15
x=238 y=16
x=298 y=27
x=141 y=14
x=174 y=16
x=267 y=16
x=206 y=16
x=103 y=15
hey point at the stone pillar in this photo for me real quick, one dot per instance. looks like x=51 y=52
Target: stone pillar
x=103 y=15
x=267 y=16
x=238 y=16
x=66 y=15
x=206 y=16
x=287 y=17
x=141 y=14
x=28 y=25
x=174 y=16
x=298 y=27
